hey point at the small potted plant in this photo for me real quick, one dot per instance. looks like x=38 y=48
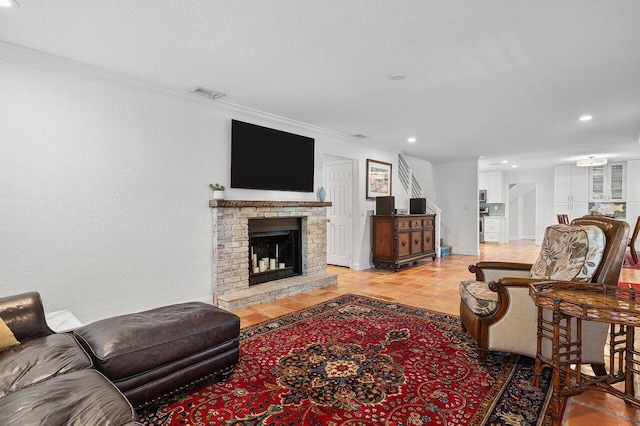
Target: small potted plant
x=218 y=191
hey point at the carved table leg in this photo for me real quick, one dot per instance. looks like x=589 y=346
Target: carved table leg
x=537 y=372
x=629 y=365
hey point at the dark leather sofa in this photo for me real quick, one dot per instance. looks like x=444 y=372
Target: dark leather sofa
x=49 y=379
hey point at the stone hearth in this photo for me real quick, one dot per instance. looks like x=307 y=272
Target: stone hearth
x=231 y=257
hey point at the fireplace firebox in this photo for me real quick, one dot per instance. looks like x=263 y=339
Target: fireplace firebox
x=275 y=249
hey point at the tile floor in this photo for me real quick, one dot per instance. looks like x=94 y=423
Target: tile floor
x=434 y=285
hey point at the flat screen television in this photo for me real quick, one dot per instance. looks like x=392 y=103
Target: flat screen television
x=263 y=158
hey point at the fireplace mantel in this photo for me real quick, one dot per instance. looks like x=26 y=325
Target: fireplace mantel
x=249 y=203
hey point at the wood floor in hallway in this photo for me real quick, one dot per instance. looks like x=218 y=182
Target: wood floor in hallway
x=434 y=285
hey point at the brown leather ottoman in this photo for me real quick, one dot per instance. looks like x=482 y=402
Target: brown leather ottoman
x=150 y=353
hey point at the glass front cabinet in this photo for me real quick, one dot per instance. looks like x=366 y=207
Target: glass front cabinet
x=607 y=183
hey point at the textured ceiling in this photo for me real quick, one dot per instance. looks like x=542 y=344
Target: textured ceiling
x=491 y=79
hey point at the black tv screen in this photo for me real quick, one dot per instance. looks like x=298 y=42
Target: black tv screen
x=263 y=158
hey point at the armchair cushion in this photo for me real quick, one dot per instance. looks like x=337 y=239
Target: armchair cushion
x=569 y=253
x=478 y=297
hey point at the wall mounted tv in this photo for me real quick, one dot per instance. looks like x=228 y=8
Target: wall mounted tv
x=263 y=158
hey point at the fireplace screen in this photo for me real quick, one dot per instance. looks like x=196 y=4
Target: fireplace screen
x=275 y=249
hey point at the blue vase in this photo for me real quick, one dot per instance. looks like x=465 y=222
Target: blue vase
x=321 y=194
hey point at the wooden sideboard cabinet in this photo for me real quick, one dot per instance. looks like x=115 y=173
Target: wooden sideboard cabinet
x=402 y=239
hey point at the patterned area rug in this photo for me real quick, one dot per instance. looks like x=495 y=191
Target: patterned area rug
x=634 y=286
x=361 y=361
x=629 y=263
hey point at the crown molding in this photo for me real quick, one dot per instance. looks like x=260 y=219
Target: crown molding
x=38 y=59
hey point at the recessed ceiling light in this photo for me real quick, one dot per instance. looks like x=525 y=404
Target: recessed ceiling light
x=396 y=76
x=514 y=166
x=505 y=161
x=9 y=3
x=411 y=140
x=585 y=118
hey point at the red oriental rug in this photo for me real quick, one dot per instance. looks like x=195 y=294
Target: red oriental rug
x=634 y=286
x=629 y=263
x=361 y=361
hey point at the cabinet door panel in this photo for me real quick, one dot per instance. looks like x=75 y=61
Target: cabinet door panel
x=633 y=176
x=579 y=184
x=428 y=245
x=416 y=242
x=404 y=244
x=562 y=183
x=596 y=183
x=617 y=182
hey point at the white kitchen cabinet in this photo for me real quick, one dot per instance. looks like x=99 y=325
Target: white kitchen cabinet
x=607 y=183
x=482 y=180
x=571 y=190
x=633 y=176
x=494 y=229
x=494 y=187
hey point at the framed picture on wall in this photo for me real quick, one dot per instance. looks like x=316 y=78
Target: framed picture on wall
x=378 y=179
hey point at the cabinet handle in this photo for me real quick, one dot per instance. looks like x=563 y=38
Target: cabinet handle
x=428 y=239
x=404 y=243
x=416 y=241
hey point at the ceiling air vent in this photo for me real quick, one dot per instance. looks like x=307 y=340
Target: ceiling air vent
x=208 y=93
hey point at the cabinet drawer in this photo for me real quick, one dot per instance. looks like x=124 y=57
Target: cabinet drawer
x=491 y=236
x=416 y=223
x=491 y=227
x=404 y=223
x=427 y=222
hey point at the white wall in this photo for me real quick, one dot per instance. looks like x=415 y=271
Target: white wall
x=104 y=190
x=544 y=190
x=456 y=187
x=522 y=217
x=423 y=171
x=529 y=216
x=514 y=215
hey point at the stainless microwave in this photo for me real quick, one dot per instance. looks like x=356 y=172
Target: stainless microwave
x=483 y=196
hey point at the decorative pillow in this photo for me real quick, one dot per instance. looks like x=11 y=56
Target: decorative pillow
x=570 y=253
x=7 y=339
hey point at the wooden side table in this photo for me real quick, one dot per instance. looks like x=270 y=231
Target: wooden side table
x=570 y=304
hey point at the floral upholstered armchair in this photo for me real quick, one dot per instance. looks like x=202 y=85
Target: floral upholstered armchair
x=497 y=311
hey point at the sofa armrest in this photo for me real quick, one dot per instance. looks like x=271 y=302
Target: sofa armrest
x=493 y=271
x=24 y=314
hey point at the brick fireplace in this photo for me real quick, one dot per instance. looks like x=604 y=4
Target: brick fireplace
x=232 y=259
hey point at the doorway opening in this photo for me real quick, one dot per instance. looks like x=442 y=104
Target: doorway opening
x=523 y=211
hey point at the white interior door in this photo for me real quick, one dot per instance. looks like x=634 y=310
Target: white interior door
x=338 y=183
